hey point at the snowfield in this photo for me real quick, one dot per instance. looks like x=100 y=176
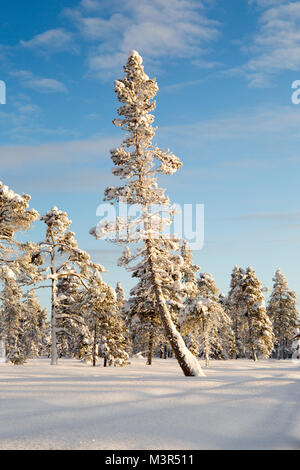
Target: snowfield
x=238 y=405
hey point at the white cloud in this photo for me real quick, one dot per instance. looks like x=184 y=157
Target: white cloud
x=283 y=216
x=50 y=41
x=266 y=3
x=157 y=29
x=275 y=122
x=46 y=85
x=39 y=84
x=276 y=46
x=90 y=5
x=22 y=156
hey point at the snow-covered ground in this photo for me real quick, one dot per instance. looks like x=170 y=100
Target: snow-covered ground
x=238 y=405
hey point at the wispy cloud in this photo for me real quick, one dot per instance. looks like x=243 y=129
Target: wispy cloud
x=21 y=156
x=280 y=121
x=276 y=45
x=277 y=216
x=39 y=84
x=266 y=3
x=157 y=29
x=51 y=41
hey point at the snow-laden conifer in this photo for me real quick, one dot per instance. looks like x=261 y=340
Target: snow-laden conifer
x=143 y=321
x=33 y=325
x=234 y=307
x=105 y=323
x=15 y=216
x=138 y=163
x=61 y=253
x=203 y=318
x=282 y=310
x=11 y=315
x=71 y=328
x=260 y=338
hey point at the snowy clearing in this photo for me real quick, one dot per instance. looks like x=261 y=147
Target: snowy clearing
x=238 y=405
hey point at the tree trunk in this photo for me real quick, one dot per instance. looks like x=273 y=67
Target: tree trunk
x=150 y=348
x=95 y=345
x=187 y=361
x=54 y=356
x=250 y=336
x=206 y=354
x=278 y=351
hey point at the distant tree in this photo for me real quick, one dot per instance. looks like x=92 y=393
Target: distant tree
x=203 y=318
x=106 y=327
x=120 y=296
x=143 y=321
x=235 y=308
x=260 y=337
x=11 y=317
x=72 y=331
x=282 y=310
x=33 y=325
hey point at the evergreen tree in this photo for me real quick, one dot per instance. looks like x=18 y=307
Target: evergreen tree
x=189 y=271
x=11 y=316
x=106 y=327
x=138 y=162
x=72 y=331
x=282 y=310
x=65 y=259
x=203 y=318
x=143 y=321
x=260 y=337
x=234 y=307
x=120 y=296
x=33 y=325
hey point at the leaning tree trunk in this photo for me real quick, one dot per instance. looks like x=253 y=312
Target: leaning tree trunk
x=187 y=361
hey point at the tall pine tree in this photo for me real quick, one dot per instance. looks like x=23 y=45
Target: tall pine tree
x=139 y=162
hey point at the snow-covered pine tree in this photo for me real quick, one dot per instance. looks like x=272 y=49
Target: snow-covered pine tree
x=120 y=296
x=282 y=310
x=72 y=331
x=11 y=315
x=143 y=321
x=204 y=318
x=233 y=305
x=189 y=271
x=227 y=335
x=15 y=216
x=60 y=250
x=138 y=162
x=106 y=327
x=33 y=325
x=260 y=337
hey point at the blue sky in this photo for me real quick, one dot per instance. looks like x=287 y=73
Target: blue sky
x=225 y=71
